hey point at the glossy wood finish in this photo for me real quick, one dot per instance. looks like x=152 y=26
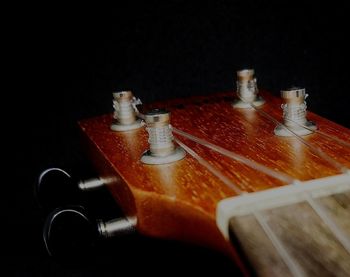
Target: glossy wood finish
x=178 y=201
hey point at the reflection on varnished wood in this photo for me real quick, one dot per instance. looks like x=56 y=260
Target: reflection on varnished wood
x=175 y=201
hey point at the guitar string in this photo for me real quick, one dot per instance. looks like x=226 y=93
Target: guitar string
x=323 y=214
x=259 y=167
x=211 y=168
x=313 y=148
x=292 y=265
x=338 y=233
x=318 y=208
x=338 y=140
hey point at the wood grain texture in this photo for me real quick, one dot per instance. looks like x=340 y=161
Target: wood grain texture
x=178 y=201
x=307 y=239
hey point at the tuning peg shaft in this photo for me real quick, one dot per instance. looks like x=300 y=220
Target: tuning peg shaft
x=116 y=227
x=80 y=231
x=56 y=186
x=90 y=184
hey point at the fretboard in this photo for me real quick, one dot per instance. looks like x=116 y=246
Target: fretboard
x=300 y=231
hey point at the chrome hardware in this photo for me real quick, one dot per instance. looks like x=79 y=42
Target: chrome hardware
x=125 y=112
x=294 y=114
x=247 y=90
x=162 y=149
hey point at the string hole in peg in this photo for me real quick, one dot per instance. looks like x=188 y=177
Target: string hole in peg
x=162 y=149
x=294 y=114
x=125 y=112
x=247 y=90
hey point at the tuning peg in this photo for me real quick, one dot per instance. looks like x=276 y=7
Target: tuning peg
x=56 y=186
x=71 y=231
x=68 y=231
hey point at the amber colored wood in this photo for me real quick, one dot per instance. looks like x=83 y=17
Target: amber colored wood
x=178 y=201
x=307 y=239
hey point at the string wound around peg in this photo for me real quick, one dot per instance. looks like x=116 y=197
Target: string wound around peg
x=162 y=149
x=247 y=90
x=125 y=112
x=294 y=114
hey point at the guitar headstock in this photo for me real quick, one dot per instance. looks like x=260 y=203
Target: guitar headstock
x=178 y=199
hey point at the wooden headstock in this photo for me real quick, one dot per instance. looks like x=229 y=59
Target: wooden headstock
x=179 y=200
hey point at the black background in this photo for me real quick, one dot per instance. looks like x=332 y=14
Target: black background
x=68 y=60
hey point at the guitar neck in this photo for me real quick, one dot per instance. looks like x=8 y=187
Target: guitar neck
x=304 y=232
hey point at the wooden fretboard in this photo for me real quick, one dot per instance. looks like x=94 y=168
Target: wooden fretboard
x=310 y=246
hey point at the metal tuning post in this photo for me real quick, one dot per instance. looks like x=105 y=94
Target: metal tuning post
x=247 y=90
x=70 y=230
x=56 y=186
x=125 y=112
x=294 y=114
x=162 y=148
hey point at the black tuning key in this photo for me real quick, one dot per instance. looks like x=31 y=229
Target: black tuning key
x=71 y=232
x=56 y=187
